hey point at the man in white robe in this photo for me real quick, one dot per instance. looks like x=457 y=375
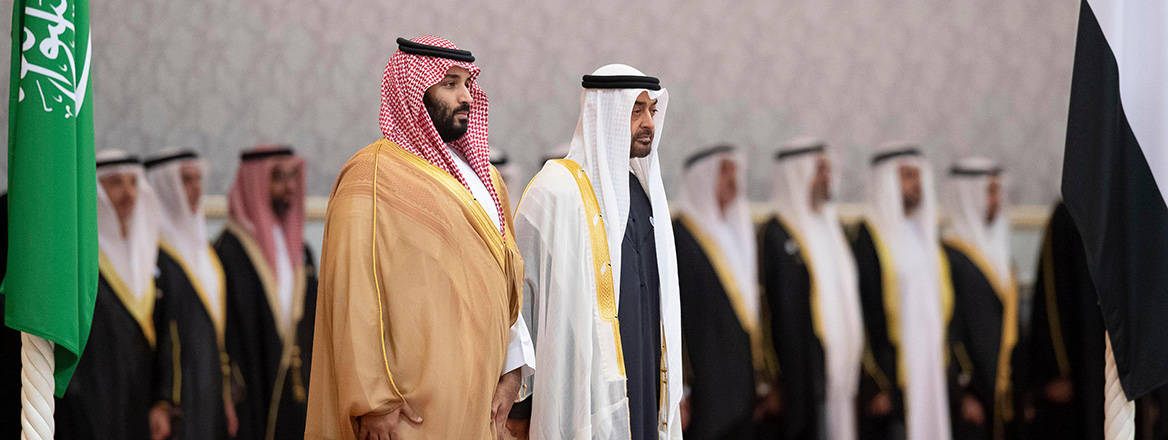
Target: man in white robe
x=907 y=299
x=813 y=297
x=595 y=235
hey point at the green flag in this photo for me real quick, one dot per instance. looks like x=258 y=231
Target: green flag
x=51 y=282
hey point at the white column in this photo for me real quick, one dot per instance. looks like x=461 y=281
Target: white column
x=1119 y=421
x=36 y=388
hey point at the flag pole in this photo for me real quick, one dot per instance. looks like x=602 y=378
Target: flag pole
x=36 y=388
x=1119 y=422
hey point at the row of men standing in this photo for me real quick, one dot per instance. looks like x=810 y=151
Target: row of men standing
x=818 y=334
x=905 y=330
x=884 y=337
x=892 y=335
x=191 y=340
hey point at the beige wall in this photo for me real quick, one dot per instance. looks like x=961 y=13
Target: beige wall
x=959 y=77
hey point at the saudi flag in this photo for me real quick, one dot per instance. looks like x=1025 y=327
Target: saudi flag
x=1115 y=177
x=51 y=282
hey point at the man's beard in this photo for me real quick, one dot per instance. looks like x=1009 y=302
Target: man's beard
x=911 y=204
x=280 y=207
x=634 y=145
x=449 y=128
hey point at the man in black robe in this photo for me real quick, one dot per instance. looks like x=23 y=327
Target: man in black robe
x=907 y=302
x=719 y=296
x=191 y=309
x=114 y=387
x=984 y=330
x=640 y=313
x=812 y=293
x=271 y=293
x=1063 y=357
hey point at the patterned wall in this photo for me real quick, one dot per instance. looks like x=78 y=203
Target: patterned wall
x=958 y=77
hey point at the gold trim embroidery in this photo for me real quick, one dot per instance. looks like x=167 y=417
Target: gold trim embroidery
x=1008 y=295
x=480 y=220
x=725 y=276
x=218 y=318
x=1052 y=312
x=142 y=309
x=601 y=263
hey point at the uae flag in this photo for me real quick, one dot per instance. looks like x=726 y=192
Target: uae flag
x=1115 y=177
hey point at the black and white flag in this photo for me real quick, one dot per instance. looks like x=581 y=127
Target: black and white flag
x=1115 y=177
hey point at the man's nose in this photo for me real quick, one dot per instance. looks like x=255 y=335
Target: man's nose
x=464 y=97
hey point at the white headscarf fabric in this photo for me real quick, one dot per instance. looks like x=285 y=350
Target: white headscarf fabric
x=134 y=256
x=966 y=205
x=913 y=243
x=834 y=273
x=601 y=146
x=182 y=228
x=733 y=232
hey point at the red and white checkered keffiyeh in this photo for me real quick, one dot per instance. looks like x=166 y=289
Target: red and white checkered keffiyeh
x=404 y=119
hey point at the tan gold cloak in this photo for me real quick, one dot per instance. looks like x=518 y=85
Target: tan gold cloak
x=418 y=292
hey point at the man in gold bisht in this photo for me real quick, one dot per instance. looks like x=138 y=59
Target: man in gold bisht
x=418 y=332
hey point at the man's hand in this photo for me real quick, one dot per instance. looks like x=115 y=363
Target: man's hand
x=881 y=405
x=770 y=405
x=685 y=413
x=384 y=426
x=971 y=410
x=1060 y=391
x=505 y=394
x=160 y=421
x=232 y=418
x=519 y=428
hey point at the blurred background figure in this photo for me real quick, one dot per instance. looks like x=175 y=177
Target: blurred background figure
x=191 y=309
x=271 y=292
x=715 y=243
x=907 y=300
x=812 y=291
x=985 y=328
x=1061 y=368
x=511 y=173
x=115 y=385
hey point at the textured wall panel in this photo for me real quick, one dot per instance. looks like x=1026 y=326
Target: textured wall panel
x=958 y=77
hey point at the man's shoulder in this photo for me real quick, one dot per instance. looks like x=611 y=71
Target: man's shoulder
x=227 y=241
x=862 y=232
x=553 y=183
x=774 y=228
x=383 y=161
x=377 y=152
x=958 y=254
x=165 y=261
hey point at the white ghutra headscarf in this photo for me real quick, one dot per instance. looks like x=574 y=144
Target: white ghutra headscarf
x=134 y=255
x=966 y=204
x=733 y=232
x=182 y=228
